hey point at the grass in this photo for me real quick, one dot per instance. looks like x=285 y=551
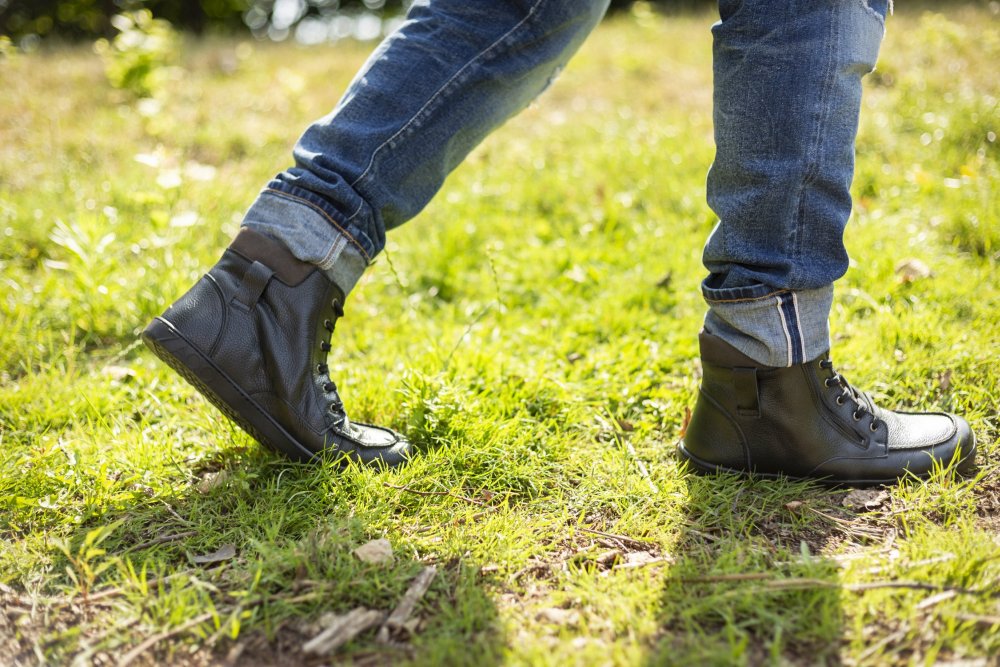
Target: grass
x=534 y=323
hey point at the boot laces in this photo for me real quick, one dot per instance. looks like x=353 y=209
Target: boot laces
x=330 y=387
x=862 y=402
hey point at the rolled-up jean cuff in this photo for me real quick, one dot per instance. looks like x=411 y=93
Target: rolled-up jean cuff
x=772 y=327
x=312 y=233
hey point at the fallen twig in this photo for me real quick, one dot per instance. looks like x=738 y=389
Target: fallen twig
x=475 y=517
x=987 y=621
x=343 y=629
x=643 y=471
x=920 y=586
x=160 y=540
x=436 y=493
x=531 y=567
x=943 y=558
x=936 y=599
x=703 y=535
x=631 y=566
x=797 y=582
x=720 y=578
x=109 y=592
x=877 y=647
x=615 y=426
x=621 y=538
x=155 y=639
x=401 y=614
x=850 y=527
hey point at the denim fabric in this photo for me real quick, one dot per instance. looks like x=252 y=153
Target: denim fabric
x=452 y=73
x=787 y=97
x=786 y=101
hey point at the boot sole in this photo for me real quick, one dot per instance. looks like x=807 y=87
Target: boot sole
x=706 y=468
x=211 y=382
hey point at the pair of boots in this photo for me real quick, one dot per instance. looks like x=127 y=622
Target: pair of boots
x=253 y=335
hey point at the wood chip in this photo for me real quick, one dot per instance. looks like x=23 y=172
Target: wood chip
x=640 y=559
x=376 y=552
x=343 y=629
x=400 y=617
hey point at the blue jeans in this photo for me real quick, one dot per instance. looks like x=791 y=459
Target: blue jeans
x=787 y=97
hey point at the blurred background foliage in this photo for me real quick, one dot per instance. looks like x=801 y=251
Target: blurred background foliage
x=27 y=22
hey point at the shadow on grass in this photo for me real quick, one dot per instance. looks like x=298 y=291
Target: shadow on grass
x=748 y=587
x=284 y=537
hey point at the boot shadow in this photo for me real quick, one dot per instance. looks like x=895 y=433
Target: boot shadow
x=285 y=558
x=750 y=584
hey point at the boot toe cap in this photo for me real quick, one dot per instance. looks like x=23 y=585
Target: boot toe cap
x=373 y=445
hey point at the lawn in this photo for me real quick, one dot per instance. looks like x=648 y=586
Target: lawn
x=533 y=332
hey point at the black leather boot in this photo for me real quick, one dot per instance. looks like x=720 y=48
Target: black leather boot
x=252 y=336
x=808 y=422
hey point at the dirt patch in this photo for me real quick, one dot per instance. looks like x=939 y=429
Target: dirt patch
x=988 y=503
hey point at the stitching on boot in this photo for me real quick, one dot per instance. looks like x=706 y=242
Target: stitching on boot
x=747 y=392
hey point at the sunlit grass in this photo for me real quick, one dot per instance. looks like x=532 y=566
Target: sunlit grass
x=536 y=319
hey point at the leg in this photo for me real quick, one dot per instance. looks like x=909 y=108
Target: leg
x=787 y=99
x=428 y=95
x=253 y=334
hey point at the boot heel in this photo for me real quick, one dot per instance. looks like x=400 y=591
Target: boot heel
x=198 y=370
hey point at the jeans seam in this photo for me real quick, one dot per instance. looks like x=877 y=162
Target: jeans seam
x=749 y=299
x=455 y=78
x=813 y=165
x=327 y=216
x=327 y=262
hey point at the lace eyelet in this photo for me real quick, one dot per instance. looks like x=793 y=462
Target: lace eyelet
x=873 y=427
x=826 y=383
x=840 y=400
x=856 y=416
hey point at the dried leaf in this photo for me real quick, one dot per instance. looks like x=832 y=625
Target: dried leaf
x=912 y=269
x=558 y=616
x=865 y=498
x=639 y=557
x=212 y=480
x=625 y=425
x=685 y=422
x=225 y=552
x=119 y=373
x=794 y=506
x=608 y=558
x=376 y=552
